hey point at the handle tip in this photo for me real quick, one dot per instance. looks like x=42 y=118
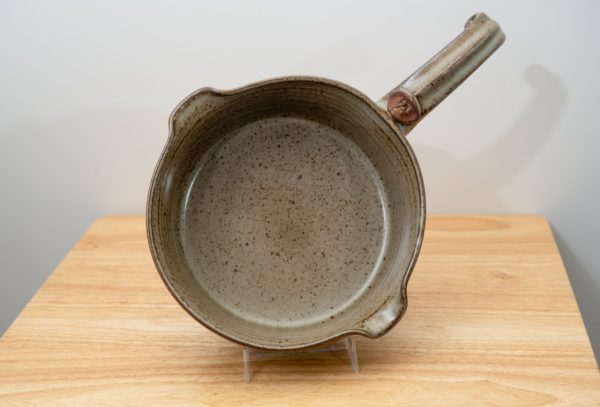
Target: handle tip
x=477 y=17
x=481 y=21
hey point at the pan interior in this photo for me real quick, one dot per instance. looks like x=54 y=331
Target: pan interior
x=284 y=222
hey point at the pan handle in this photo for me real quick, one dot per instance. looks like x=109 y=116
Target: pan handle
x=421 y=92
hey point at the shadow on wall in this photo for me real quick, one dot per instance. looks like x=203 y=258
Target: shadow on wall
x=586 y=288
x=58 y=175
x=470 y=184
x=463 y=185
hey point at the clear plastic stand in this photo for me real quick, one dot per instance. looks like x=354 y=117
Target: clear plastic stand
x=347 y=344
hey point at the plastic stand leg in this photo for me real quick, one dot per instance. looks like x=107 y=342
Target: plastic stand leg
x=347 y=344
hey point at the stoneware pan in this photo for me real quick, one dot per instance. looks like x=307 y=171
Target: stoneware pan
x=290 y=212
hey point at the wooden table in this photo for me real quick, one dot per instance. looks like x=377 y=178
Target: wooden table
x=491 y=321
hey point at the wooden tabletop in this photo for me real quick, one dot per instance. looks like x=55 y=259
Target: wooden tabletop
x=491 y=321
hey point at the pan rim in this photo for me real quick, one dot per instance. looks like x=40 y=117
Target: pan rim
x=400 y=297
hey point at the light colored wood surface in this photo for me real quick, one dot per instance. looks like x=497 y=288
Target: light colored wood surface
x=491 y=321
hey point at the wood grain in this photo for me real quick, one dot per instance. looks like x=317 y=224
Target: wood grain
x=491 y=321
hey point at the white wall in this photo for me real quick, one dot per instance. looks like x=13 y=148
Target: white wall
x=86 y=89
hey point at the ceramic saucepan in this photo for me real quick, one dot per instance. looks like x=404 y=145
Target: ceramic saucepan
x=290 y=212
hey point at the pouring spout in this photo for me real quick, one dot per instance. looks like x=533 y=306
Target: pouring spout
x=383 y=319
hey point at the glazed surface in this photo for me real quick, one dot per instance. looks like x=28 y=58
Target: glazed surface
x=284 y=222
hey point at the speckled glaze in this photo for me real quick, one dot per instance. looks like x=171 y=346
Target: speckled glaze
x=287 y=213
x=298 y=214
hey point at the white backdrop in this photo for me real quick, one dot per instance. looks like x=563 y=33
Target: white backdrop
x=86 y=89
